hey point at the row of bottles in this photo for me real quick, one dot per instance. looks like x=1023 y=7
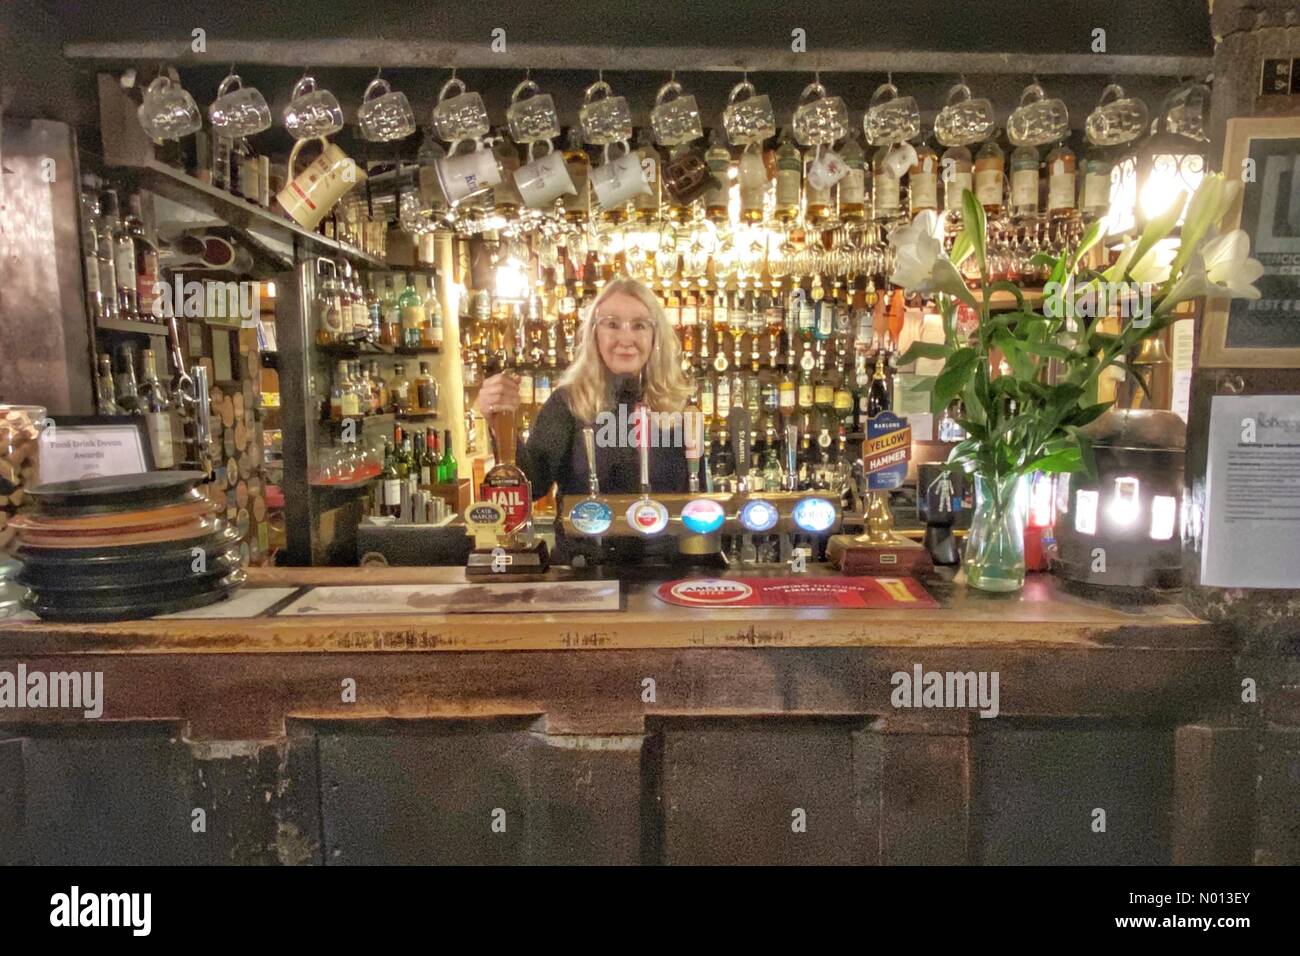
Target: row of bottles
x=359 y=389
x=119 y=392
x=418 y=461
x=119 y=261
x=393 y=310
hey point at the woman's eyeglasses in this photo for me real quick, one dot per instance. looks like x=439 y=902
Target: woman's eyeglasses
x=612 y=325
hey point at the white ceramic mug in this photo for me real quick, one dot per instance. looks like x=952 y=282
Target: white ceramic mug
x=826 y=170
x=619 y=181
x=900 y=159
x=467 y=174
x=545 y=179
x=309 y=196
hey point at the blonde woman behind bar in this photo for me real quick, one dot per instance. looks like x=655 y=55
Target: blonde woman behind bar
x=627 y=353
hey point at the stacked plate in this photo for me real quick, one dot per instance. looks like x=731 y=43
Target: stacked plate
x=126 y=546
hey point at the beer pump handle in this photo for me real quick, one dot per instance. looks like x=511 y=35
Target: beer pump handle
x=792 y=457
x=693 y=440
x=202 y=412
x=738 y=423
x=589 y=442
x=643 y=446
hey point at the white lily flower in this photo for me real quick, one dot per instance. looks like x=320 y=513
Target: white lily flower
x=917 y=246
x=1153 y=267
x=1222 y=267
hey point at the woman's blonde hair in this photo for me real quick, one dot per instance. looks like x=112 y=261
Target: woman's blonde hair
x=588 y=382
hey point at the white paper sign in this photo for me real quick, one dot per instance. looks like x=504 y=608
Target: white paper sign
x=1252 y=486
x=72 y=452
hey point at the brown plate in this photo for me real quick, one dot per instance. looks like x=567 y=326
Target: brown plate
x=193 y=528
x=115 y=492
x=117 y=521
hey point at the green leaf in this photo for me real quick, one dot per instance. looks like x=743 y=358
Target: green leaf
x=1066 y=460
x=1090 y=239
x=1137 y=376
x=1047 y=350
x=1040 y=259
x=956 y=373
x=1006 y=286
x=973 y=213
x=922 y=383
x=1089 y=414
x=927 y=350
x=961 y=248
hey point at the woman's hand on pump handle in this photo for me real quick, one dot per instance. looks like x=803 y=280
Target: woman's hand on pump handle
x=498 y=393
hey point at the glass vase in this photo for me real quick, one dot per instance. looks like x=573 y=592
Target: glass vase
x=995 y=547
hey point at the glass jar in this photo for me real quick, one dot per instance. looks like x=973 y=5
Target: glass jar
x=995 y=547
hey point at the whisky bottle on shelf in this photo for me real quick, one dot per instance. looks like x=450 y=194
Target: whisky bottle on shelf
x=391 y=313
x=157 y=412
x=146 y=262
x=878 y=395
x=717 y=198
x=1061 y=183
x=752 y=176
x=576 y=207
x=852 y=189
x=128 y=393
x=1024 y=183
x=105 y=400
x=124 y=257
x=885 y=192
x=923 y=180
x=426 y=391
x=789 y=179
x=399 y=389
x=411 y=309
x=956 y=171
x=990 y=169
x=817 y=202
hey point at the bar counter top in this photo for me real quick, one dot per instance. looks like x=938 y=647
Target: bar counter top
x=1044 y=615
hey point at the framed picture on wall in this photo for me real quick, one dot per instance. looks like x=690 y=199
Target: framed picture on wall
x=1264 y=332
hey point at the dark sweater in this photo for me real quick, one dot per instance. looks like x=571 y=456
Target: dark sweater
x=555 y=453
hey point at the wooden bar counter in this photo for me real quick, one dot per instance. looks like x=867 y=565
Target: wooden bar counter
x=651 y=734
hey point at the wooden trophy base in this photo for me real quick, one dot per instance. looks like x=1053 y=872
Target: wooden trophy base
x=514 y=561
x=897 y=555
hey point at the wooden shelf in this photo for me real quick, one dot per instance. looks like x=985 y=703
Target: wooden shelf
x=1004 y=301
x=185 y=189
x=131 y=325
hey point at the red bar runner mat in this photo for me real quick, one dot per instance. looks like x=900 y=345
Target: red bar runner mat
x=863 y=592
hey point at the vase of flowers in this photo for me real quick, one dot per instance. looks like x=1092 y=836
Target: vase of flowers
x=1027 y=378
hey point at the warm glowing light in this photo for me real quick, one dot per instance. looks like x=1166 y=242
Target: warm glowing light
x=1164 y=510
x=1085 y=512
x=270 y=289
x=1169 y=177
x=1124 y=503
x=1041 y=513
x=511 y=280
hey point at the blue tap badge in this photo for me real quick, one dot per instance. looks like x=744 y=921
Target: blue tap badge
x=758 y=516
x=813 y=515
x=703 y=515
x=591 y=517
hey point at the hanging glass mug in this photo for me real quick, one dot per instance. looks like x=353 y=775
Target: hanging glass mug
x=890 y=118
x=604 y=119
x=168 y=111
x=384 y=114
x=533 y=119
x=748 y=120
x=821 y=120
x=312 y=113
x=963 y=121
x=238 y=110
x=1117 y=119
x=1038 y=121
x=462 y=116
x=1185 y=112
x=675 y=118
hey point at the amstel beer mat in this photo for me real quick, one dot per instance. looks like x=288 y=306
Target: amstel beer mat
x=591 y=516
x=514 y=498
x=856 y=592
x=886 y=451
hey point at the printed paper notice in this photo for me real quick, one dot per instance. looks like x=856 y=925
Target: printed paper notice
x=1252 y=522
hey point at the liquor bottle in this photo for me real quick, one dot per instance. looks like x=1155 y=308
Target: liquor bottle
x=576 y=161
x=878 y=394
x=647 y=204
x=990 y=168
x=347 y=305
x=817 y=202
x=157 y=412
x=1095 y=201
x=374 y=309
x=107 y=262
x=885 y=199
x=723 y=459
x=448 y=470
x=1060 y=182
x=105 y=400
x=806 y=391
x=389 y=484
x=853 y=187
x=505 y=483
x=351 y=400
x=124 y=257
x=718 y=159
x=379 y=397
x=1024 y=183
x=505 y=194
x=411 y=308
x=336 y=392
x=128 y=393
x=673 y=307
x=956 y=169
x=923 y=179
x=355 y=316
x=399 y=389
x=773 y=475
x=789 y=179
x=842 y=400
x=723 y=396
x=752 y=175
x=433 y=317
x=787 y=393
x=146 y=262
x=426 y=390
x=824 y=389
x=391 y=315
